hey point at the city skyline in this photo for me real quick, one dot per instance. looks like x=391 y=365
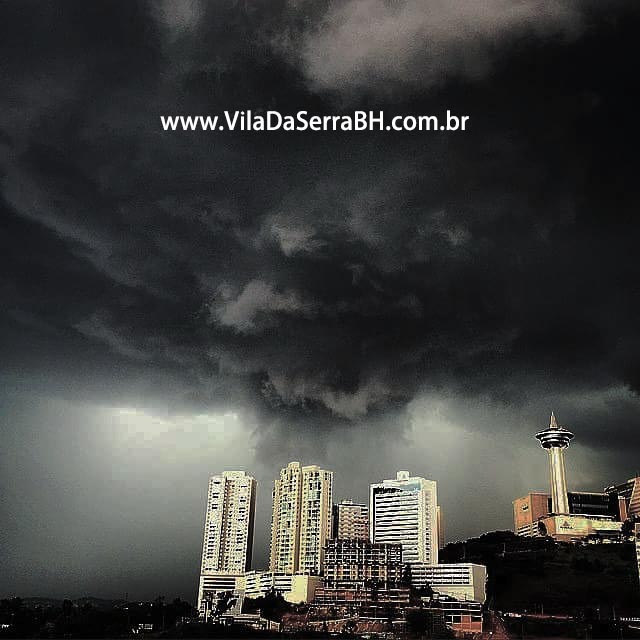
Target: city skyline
x=320 y=546
x=263 y=493
x=230 y=511
x=178 y=303
x=291 y=492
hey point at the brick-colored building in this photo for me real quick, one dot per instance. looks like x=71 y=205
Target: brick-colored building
x=527 y=511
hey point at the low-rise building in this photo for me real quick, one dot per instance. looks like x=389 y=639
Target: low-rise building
x=461 y=616
x=590 y=513
x=463 y=580
x=571 y=528
x=294 y=588
x=212 y=585
x=256 y=584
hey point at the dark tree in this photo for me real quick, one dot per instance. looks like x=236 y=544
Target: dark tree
x=627 y=529
x=406 y=576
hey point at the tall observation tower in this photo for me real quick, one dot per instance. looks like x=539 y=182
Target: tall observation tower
x=555 y=440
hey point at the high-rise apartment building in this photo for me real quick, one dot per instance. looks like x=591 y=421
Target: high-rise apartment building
x=350 y=521
x=404 y=511
x=301 y=520
x=228 y=530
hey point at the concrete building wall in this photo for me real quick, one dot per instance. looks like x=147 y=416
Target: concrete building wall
x=303 y=588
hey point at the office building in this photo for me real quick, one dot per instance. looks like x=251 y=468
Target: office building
x=527 y=512
x=404 y=511
x=594 y=503
x=463 y=580
x=354 y=564
x=629 y=497
x=530 y=509
x=228 y=531
x=350 y=521
x=301 y=519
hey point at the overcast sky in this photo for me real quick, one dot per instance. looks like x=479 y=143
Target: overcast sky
x=177 y=304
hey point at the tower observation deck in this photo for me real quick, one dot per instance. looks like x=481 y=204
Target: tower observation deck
x=555 y=439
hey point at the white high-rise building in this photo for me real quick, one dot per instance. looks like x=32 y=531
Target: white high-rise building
x=301 y=520
x=228 y=531
x=405 y=511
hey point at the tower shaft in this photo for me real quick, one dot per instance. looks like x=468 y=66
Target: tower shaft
x=555 y=439
x=559 y=496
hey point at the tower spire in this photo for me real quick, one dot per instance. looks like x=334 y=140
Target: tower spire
x=553 y=422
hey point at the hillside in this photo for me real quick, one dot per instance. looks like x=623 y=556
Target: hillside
x=534 y=574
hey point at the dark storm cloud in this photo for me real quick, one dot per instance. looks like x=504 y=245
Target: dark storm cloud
x=319 y=285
